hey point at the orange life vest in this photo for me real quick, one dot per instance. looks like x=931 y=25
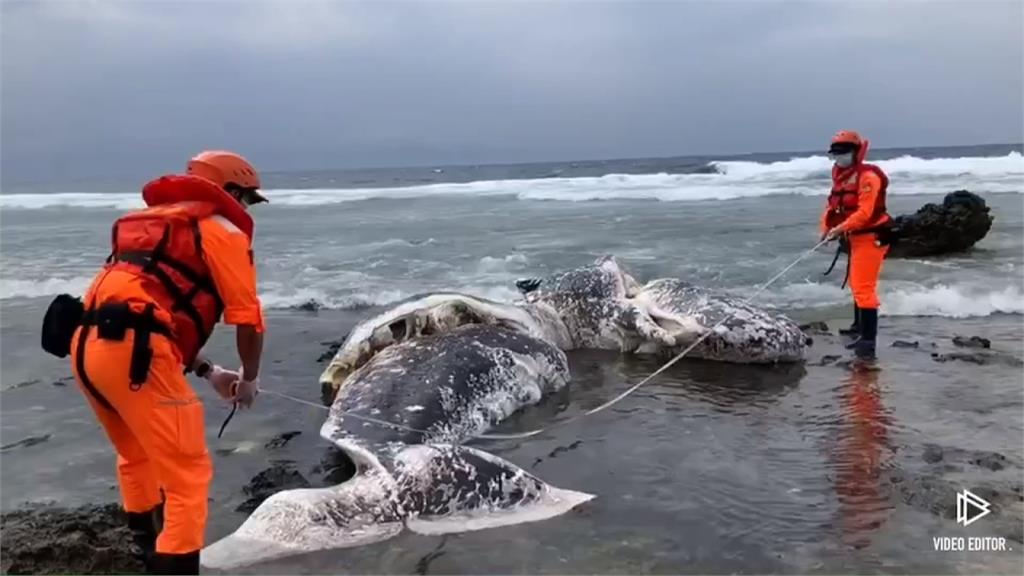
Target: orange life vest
x=163 y=244
x=844 y=199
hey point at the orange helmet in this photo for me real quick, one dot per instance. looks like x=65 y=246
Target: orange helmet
x=227 y=170
x=847 y=137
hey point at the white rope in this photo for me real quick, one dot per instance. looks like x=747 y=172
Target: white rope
x=374 y=420
x=606 y=405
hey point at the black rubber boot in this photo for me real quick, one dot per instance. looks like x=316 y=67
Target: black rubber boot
x=175 y=563
x=864 y=346
x=145 y=527
x=854 y=329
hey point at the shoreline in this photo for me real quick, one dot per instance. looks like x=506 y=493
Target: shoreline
x=276 y=446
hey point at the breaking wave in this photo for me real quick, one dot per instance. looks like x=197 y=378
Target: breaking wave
x=720 y=180
x=898 y=298
x=904 y=299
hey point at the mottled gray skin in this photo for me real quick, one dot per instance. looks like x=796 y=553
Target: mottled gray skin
x=450 y=386
x=595 y=304
x=431 y=314
x=751 y=335
x=604 y=307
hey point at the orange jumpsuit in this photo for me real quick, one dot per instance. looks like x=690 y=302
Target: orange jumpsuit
x=865 y=257
x=157 y=429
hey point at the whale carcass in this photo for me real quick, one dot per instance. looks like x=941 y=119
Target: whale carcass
x=436 y=391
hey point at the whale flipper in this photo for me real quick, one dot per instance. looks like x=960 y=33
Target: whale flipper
x=457 y=488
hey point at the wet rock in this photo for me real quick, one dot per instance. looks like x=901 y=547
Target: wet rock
x=936 y=495
x=932 y=454
x=993 y=461
x=25 y=442
x=308 y=306
x=905 y=344
x=930 y=494
x=281 y=439
x=332 y=349
x=558 y=450
x=980 y=358
x=815 y=328
x=972 y=342
x=92 y=539
x=280 y=476
x=957 y=225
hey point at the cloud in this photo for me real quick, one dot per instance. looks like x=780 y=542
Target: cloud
x=127 y=88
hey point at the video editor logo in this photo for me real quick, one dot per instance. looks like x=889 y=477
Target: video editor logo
x=970 y=507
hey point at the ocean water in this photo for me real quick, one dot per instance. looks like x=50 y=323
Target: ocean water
x=712 y=468
x=348 y=240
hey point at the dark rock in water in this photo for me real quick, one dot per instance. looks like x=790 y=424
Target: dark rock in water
x=309 y=306
x=932 y=454
x=64 y=381
x=281 y=439
x=815 y=328
x=25 y=442
x=972 y=342
x=278 y=477
x=905 y=344
x=558 y=450
x=933 y=495
x=957 y=225
x=92 y=539
x=332 y=349
x=992 y=460
x=932 y=492
x=980 y=358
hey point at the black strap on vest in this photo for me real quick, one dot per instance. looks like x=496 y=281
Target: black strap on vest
x=83 y=335
x=150 y=261
x=112 y=321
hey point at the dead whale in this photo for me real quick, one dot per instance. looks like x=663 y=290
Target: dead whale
x=748 y=335
x=402 y=418
x=605 y=307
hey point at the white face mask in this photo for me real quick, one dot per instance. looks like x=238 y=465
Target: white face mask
x=842 y=160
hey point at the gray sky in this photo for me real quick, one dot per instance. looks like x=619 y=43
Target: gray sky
x=102 y=89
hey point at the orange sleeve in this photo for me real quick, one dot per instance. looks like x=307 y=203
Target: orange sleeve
x=229 y=256
x=821 y=221
x=869 y=184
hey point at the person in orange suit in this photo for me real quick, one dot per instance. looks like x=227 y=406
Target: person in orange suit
x=856 y=213
x=176 y=266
